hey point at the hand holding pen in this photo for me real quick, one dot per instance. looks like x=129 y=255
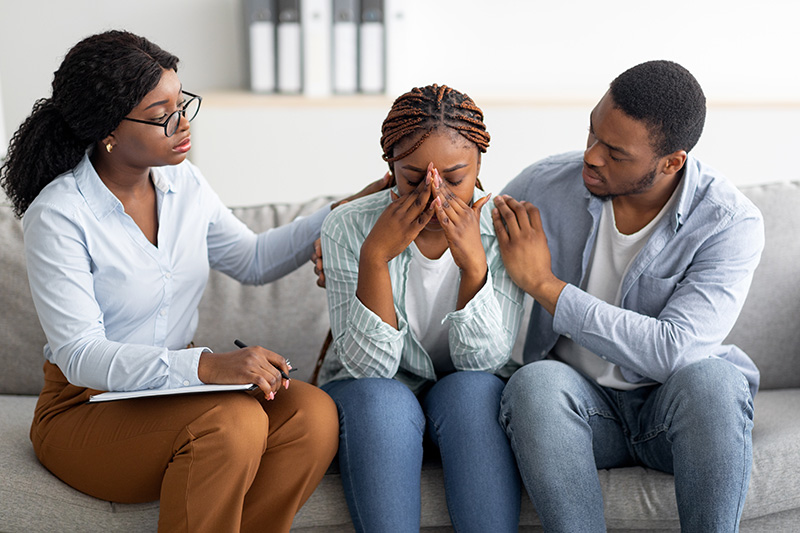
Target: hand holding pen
x=284 y=374
x=259 y=366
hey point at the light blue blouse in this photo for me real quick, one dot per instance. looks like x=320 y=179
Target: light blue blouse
x=119 y=312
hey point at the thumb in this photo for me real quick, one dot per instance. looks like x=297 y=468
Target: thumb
x=477 y=206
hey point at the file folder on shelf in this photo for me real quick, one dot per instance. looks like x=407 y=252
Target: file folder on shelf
x=316 y=17
x=371 y=47
x=289 y=47
x=345 y=46
x=260 y=31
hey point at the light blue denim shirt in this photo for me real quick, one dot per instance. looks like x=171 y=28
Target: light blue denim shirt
x=119 y=312
x=681 y=295
x=481 y=335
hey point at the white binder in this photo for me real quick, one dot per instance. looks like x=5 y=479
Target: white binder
x=260 y=26
x=345 y=46
x=371 y=47
x=316 y=17
x=290 y=58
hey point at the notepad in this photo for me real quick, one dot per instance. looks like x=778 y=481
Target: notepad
x=127 y=395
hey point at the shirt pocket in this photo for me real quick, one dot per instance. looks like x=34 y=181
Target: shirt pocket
x=655 y=292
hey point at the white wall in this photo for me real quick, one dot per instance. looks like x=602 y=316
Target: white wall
x=537 y=68
x=3 y=138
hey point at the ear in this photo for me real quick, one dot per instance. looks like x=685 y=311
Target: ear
x=674 y=162
x=109 y=140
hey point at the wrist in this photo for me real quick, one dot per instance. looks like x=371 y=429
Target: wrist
x=204 y=371
x=475 y=273
x=546 y=292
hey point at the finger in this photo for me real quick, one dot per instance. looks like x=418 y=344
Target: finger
x=316 y=255
x=477 y=206
x=508 y=216
x=418 y=198
x=499 y=227
x=449 y=198
x=425 y=217
x=534 y=216
x=321 y=280
x=523 y=212
x=441 y=213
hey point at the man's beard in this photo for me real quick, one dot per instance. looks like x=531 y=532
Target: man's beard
x=641 y=185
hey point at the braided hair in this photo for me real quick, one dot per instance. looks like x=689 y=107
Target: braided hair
x=423 y=110
x=102 y=79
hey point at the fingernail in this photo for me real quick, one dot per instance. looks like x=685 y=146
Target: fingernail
x=271 y=396
x=286 y=384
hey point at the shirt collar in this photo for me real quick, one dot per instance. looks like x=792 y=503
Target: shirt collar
x=100 y=200
x=688 y=185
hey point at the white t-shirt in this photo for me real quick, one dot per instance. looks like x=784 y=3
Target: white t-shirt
x=431 y=293
x=612 y=255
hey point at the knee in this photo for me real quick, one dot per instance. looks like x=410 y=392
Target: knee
x=537 y=384
x=712 y=386
x=315 y=413
x=381 y=403
x=238 y=425
x=465 y=393
x=467 y=384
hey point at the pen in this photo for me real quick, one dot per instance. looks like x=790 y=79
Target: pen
x=240 y=344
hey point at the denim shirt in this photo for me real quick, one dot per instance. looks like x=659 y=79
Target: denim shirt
x=118 y=312
x=481 y=335
x=681 y=295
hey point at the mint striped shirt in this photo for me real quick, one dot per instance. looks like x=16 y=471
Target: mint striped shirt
x=481 y=335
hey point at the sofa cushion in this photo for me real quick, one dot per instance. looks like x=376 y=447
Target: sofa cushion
x=31 y=499
x=768 y=329
x=21 y=336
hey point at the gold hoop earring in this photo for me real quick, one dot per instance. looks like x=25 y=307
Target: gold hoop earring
x=109 y=147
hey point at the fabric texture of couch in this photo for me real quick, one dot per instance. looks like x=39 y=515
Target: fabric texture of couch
x=290 y=317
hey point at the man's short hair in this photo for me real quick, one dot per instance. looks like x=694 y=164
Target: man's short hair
x=668 y=99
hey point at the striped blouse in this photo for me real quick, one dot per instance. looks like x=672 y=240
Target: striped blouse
x=481 y=335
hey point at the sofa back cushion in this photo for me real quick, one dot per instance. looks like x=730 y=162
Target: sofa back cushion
x=21 y=336
x=290 y=315
x=768 y=329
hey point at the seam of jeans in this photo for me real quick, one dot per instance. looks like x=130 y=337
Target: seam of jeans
x=745 y=479
x=596 y=411
x=360 y=525
x=447 y=493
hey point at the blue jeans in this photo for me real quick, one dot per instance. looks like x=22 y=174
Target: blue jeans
x=382 y=424
x=697 y=426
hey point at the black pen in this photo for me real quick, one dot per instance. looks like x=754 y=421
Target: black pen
x=240 y=344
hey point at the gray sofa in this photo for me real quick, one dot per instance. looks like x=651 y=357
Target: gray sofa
x=290 y=317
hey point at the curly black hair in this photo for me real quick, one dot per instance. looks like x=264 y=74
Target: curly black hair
x=667 y=98
x=101 y=79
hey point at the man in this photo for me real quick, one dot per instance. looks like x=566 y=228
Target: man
x=639 y=259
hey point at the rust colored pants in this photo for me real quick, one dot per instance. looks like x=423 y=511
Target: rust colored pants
x=219 y=462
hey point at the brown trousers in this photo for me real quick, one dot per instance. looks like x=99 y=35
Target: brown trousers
x=219 y=462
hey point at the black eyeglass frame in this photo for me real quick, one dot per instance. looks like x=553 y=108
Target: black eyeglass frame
x=181 y=111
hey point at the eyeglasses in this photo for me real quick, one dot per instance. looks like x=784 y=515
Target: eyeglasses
x=189 y=110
